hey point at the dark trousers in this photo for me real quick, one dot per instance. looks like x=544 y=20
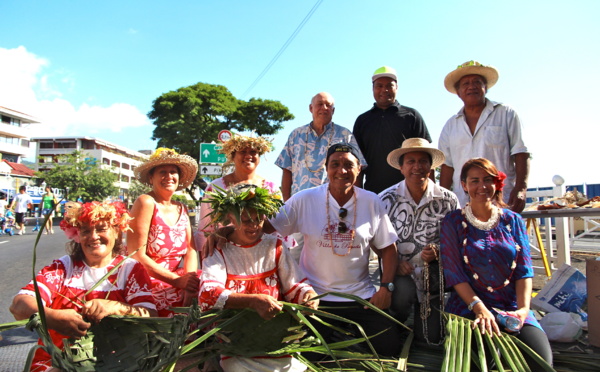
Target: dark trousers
x=404 y=301
x=386 y=344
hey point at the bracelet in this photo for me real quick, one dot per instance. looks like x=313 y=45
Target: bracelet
x=472 y=304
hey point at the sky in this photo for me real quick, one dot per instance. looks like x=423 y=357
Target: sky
x=93 y=68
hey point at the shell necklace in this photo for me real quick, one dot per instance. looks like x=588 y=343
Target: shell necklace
x=322 y=166
x=486 y=226
x=351 y=230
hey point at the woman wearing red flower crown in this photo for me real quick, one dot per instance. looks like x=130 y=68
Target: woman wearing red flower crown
x=485 y=252
x=95 y=232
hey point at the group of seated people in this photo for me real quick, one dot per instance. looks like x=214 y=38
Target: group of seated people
x=427 y=245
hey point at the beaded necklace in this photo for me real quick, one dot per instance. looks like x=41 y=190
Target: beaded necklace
x=486 y=226
x=425 y=306
x=352 y=231
x=322 y=166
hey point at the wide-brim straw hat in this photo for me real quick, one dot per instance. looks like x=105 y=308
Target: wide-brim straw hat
x=471 y=68
x=414 y=145
x=188 y=167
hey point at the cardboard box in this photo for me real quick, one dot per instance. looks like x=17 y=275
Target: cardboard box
x=593 y=288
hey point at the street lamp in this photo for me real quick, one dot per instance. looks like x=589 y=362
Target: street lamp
x=67 y=194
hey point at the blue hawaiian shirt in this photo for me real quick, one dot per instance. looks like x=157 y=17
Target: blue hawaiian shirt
x=305 y=151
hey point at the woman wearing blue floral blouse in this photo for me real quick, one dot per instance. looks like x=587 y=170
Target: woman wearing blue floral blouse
x=486 y=258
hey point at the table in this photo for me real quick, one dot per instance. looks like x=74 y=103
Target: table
x=563 y=244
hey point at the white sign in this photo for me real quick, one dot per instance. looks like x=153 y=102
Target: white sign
x=211 y=170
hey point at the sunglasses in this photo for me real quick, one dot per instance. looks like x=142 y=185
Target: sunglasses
x=342 y=228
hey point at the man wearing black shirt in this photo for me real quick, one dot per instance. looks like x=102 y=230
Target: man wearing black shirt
x=382 y=129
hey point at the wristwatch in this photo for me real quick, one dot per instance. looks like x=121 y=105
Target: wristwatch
x=389 y=286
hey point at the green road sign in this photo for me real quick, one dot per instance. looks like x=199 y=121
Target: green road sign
x=209 y=154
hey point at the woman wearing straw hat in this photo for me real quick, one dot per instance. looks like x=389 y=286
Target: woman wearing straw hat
x=243 y=154
x=67 y=286
x=416 y=207
x=161 y=235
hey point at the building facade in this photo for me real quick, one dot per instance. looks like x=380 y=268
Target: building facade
x=14 y=134
x=118 y=159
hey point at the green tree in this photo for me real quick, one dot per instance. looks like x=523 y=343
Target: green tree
x=84 y=176
x=136 y=188
x=192 y=115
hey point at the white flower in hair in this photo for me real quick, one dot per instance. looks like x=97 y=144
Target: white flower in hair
x=475 y=276
x=490 y=289
x=466 y=259
x=508 y=228
x=464 y=224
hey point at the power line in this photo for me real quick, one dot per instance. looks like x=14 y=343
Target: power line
x=283 y=48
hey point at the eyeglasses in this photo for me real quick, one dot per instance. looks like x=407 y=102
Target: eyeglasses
x=342 y=228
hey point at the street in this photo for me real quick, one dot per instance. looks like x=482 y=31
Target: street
x=16 y=258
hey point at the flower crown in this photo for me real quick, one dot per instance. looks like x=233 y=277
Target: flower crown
x=77 y=214
x=239 y=142
x=241 y=198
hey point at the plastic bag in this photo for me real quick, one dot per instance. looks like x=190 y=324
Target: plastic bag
x=562 y=327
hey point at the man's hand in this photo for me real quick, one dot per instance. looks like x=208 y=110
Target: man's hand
x=382 y=299
x=429 y=253
x=216 y=240
x=516 y=202
x=404 y=268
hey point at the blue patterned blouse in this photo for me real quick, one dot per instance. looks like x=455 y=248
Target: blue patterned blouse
x=490 y=256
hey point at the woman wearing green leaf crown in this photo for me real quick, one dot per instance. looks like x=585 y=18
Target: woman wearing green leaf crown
x=71 y=289
x=243 y=155
x=252 y=270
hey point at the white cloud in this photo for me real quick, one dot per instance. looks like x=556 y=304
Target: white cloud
x=29 y=85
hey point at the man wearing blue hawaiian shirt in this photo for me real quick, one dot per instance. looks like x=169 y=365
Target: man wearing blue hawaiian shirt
x=303 y=157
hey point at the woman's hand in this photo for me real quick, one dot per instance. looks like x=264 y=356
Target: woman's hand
x=522 y=314
x=404 y=268
x=97 y=309
x=67 y=322
x=485 y=320
x=306 y=300
x=188 y=282
x=266 y=306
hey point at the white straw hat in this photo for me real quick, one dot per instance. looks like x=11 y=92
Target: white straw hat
x=413 y=145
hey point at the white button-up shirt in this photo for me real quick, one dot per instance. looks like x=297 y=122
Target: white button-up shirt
x=497 y=138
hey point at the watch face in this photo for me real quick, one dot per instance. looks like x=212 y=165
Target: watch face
x=390 y=287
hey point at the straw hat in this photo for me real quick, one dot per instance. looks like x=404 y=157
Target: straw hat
x=412 y=145
x=188 y=167
x=471 y=68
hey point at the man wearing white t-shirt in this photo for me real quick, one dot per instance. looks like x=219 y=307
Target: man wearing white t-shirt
x=337 y=244
x=21 y=203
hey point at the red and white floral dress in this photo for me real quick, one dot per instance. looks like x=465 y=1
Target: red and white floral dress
x=166 y=246
x=262 y=268
x=63 y=285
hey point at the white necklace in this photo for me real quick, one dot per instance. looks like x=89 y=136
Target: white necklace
x=487 y=225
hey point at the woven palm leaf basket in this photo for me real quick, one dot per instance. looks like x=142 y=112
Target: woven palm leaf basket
x=119 y=343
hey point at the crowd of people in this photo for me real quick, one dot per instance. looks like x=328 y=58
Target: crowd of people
x=345 y=195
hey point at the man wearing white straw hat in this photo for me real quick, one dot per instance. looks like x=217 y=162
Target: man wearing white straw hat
x=383 y=128
x=483 y=128
x=416 y=207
